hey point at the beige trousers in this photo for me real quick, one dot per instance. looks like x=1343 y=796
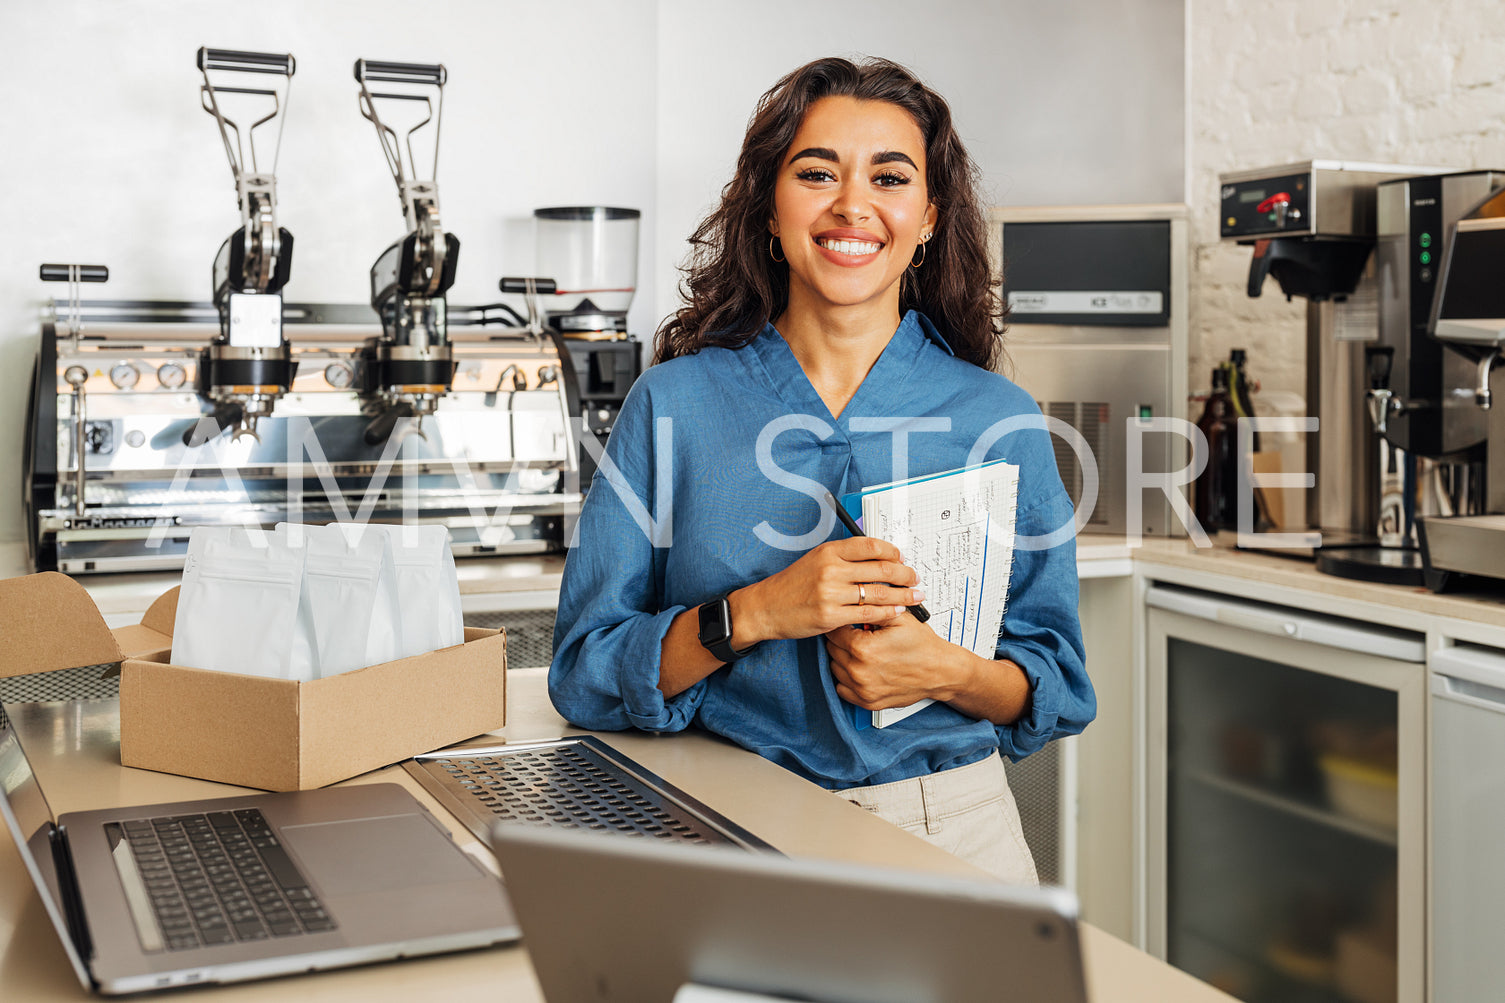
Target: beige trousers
x=968 y=811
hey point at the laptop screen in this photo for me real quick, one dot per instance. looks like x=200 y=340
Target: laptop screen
x=30 y=822
x=787 y=927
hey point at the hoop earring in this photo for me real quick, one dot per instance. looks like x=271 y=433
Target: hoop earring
x=916 y=264
x=775 y=257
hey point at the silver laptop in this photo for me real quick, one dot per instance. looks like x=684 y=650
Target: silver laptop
x=608 y=917
x=240 y=888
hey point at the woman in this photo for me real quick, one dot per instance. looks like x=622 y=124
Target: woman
x=840 y=333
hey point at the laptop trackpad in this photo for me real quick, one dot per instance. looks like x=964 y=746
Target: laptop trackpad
x=376 y=854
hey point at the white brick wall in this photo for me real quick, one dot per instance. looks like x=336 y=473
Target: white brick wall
x=1390 y=81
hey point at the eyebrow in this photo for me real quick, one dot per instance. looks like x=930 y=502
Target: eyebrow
x=826 y=153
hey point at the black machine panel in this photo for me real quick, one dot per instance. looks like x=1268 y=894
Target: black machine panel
x=1426 y=355
x=1111 y=273
x=1246 y=209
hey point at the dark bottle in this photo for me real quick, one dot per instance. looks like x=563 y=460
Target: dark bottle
x=1238 y=389
x=1216 y=491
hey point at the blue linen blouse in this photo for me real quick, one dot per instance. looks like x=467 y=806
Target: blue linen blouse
x=683 y=509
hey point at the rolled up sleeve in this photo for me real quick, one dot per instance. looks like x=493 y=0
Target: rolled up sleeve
x=1043 y=636
x=610 y=627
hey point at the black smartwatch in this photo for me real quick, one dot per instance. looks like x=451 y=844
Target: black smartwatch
x=716 y=630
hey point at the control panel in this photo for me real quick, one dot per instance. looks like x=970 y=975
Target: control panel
x=1266 y=207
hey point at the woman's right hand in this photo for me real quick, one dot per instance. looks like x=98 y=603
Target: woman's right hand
x=820 y=592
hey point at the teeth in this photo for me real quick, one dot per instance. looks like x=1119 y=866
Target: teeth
x=850 y=246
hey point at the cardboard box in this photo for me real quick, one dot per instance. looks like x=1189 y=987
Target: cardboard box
x=275 y=734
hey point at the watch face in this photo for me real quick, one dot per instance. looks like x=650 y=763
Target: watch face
x=714 y=617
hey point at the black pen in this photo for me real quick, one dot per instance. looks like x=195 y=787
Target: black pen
x=920 y=612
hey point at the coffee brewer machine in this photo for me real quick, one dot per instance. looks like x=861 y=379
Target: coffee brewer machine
x=1313 y=227
x=149 y=418
x=1431 y=436
x=1468 y=315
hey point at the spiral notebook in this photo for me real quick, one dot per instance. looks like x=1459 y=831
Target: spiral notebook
x=956 y=529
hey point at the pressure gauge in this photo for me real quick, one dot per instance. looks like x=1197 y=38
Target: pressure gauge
x=125 y=376
x=171 y=375
x=339 y=375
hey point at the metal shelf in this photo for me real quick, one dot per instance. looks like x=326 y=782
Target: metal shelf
x=1317 y=814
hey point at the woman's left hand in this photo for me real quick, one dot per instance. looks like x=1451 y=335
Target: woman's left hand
x=894 y=665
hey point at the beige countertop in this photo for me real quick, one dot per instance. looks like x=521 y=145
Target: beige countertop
x=1270 y=576
x=75 y=749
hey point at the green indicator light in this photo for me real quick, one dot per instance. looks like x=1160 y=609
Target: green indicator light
x=1271 y=217
x=1426 y=257
x=1146 y=412
x=1426 y=240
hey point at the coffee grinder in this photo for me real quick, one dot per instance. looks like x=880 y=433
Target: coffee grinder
x=588 y=257
x=1312 y=226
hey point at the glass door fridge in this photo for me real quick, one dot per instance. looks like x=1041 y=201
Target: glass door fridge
x=1284 y=826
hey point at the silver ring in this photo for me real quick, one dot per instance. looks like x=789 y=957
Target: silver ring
x=861 y=594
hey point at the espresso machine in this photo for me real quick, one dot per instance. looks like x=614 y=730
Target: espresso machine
x=1468 y=316
x=148 y=418
x=1429 y=433
x=1313 y=227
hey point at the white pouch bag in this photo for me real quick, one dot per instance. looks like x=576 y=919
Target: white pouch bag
x=349 y=595
x=427 y=588
x=238 y=605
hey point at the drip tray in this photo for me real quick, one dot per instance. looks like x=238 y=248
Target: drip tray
x=571 y=783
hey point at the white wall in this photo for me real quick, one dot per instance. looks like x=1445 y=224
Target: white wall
x=1389 y=81
x=621 y=102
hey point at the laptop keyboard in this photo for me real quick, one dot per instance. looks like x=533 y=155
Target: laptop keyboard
x=576 y=783
x=219 y=878
x=562 y=788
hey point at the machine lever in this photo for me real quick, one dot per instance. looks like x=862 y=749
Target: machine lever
x=83 y=273
x=516 y=284
x=531 y=289
x=1259 y=267
x=76 y=377
x=247 y=62
x=400 y=73
x=74 y=275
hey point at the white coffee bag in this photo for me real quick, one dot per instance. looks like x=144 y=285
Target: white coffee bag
x=239 y=603
x=428 y=588
x=349 y=595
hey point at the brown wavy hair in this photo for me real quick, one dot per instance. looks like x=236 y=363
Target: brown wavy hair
x=732 y=285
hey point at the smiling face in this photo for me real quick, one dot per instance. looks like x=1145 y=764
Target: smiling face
x=851 y=204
